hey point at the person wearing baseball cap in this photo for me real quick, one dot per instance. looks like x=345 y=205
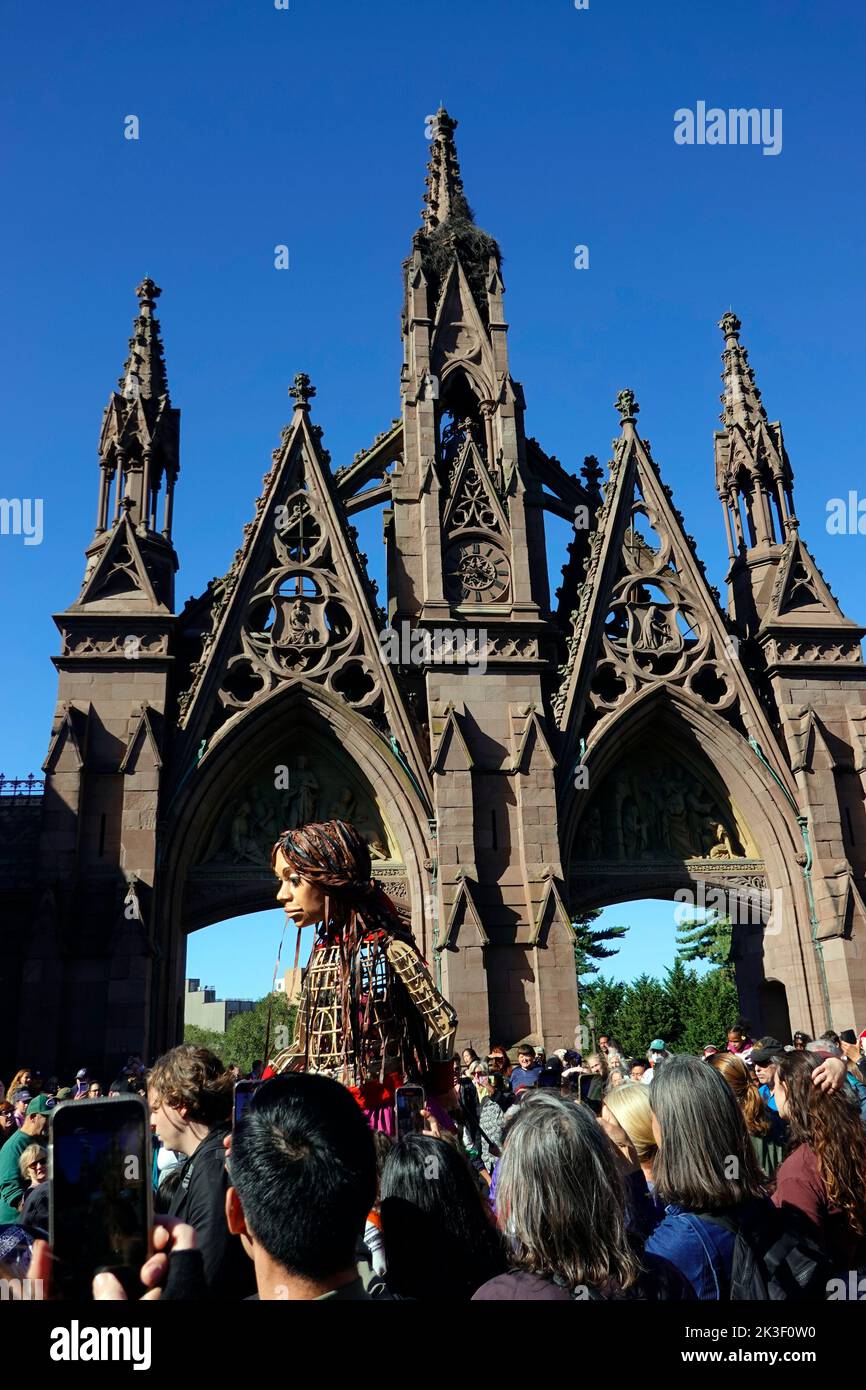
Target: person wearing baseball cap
x=764 y=1055
x=81 y=1082
x=20 y=1099
x=656 y=1053
x=12 y=1185
x=709 y=1051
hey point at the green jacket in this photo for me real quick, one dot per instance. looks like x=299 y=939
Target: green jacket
x=12 y=1185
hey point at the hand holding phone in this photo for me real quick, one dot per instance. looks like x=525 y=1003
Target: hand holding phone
x=409 y=1105
x=100 y=1199
x=243 y=1093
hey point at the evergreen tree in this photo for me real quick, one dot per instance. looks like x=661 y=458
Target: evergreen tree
x=603 y=1000
x=708 y=940
x=645 y=1013
x=679 y=986
x=714 y=1003
x=589 y=943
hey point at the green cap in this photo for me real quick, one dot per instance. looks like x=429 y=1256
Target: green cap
x=40 y=1105
x=657 y=1045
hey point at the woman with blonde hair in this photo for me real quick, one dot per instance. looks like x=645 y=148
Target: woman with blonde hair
x=33 y=1164
x=629 y=1105
x=765 y=1129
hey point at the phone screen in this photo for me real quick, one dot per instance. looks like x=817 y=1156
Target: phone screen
x=244 y=1092
x=409 y=1102
x=100 y=1193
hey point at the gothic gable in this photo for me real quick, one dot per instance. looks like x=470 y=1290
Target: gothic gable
x=459 y=339
x=646 y=616
x=119 y=578
x=800 y=594
x=297 y=607
x=474 y=504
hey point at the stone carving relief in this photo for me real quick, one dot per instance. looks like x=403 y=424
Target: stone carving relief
x=507 y=646
x=130 y=646
x=300 y=620
x=459 y=341
x=656 y=628
x=657 y=809
x=473 y=506
x=813 y=650
x=249 y=825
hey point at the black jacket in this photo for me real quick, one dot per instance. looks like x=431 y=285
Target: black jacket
x=200 y=1200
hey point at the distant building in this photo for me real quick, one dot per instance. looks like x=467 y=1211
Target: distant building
x=202 y=1009
x=290 y=985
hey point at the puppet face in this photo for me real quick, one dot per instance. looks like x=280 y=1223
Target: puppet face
x=302 y=902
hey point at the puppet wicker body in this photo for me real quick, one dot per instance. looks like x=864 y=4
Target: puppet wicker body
x=368 y=1011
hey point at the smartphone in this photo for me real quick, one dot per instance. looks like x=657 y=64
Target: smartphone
x=244 y=1092
x=409 y=1101
x=591 y=1092
x=99 y=1206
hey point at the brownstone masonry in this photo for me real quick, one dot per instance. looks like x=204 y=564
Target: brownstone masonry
x=631 y=739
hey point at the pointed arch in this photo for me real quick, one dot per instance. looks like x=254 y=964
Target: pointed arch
x=301 y=716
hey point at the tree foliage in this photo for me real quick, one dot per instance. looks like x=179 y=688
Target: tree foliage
x=687 y=1011
x=713 y=1006
x=602 y=999
x=708 y=940
x=243 y=1041
x=646 y=1013
x=590 y=943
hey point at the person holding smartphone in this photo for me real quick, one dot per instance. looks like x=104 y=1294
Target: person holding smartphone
x=190 y=1095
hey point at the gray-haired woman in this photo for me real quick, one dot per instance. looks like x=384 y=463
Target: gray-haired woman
x=706 y=1173
x=560 y=1203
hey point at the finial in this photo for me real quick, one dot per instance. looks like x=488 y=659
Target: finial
x=627 y=406
x=147 y=292
x=444 y=197
x=302 y=392
x=730 y=324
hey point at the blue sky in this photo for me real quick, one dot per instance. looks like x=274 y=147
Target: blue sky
x=305 y=127
x=238 y=956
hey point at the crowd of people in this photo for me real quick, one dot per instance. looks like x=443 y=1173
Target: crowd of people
x=737 y=1174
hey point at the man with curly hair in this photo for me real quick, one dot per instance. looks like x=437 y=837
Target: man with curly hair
x=190 y=1097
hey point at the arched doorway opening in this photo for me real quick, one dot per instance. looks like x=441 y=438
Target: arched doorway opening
x=675 y=803
x=298 y=756
x=671 y=976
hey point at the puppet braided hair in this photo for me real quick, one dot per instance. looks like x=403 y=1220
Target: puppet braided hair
x=336 y=857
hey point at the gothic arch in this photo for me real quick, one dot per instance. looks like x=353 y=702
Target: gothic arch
x=473 y=376
x=312 y=717
x=674 y=721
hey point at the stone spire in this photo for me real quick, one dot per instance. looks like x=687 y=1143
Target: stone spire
x=144 y=370
x=444 y=197
x=741 y=398
x=754 y=482
x=140 y=437
x=448 y=227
